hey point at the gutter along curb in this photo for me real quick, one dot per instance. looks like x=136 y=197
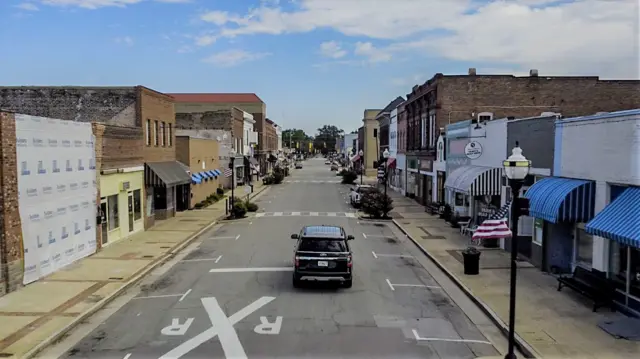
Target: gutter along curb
x=135 y=279
x=520 y=343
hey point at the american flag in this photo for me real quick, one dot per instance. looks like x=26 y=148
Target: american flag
x=496 y=226
x=228 y=172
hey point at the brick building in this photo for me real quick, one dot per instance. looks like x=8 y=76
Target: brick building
x=271 y=144
x=446 y=99
x=165 y=181
x=11 y=251
x=193 y=103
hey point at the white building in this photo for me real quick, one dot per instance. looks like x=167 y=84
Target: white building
x=394 y=174
x=249 y=136
x=279 y=135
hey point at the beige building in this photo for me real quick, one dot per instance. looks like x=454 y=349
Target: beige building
x=371 y=141
x=200 y=155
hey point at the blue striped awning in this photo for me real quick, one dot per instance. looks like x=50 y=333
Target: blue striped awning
x=204 y=174
x=557 y=199
x=620 y=220
x=212 y=173
x=196 y=179
x=217 y=172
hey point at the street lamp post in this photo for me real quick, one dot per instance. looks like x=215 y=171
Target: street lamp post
x=516 y=168
x=385 y=155
x=361 y=153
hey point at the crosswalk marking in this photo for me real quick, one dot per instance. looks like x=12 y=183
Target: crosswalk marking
x=307 y=214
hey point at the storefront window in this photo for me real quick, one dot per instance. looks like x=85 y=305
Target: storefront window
x=460 y=200
x=584 y=247
x=537 y=230
x=619 y=255
x=137 y=204
x=113 y=218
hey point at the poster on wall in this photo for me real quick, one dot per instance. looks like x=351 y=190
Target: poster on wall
x=57 y=192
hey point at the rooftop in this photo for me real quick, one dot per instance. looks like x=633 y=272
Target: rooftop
x=322 y=231
x=216 y=97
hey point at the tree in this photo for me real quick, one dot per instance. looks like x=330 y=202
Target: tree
x=296 y=136
x=327 y=137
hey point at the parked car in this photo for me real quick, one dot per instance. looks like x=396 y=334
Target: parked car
x=334 y=167
x=298 y=165
x=327 y=162
x=356 y=193
x=322 y=253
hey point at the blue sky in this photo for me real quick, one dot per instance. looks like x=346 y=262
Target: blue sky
x=313 y=62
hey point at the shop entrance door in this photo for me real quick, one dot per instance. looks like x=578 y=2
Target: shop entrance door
x=130 y=206
x=105 y=222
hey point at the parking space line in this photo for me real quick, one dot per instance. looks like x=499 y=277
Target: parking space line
x=221 y=237
x=127 y=356
x=238 y=236
x=374 y=255
x=391 y=255
x=202 y=259
x=419 y=338
x=248 y=270
x=364 y=235
x=160 y=296
x=390 y=285
x=184 y=295
x=218 y=259
x=416 y=286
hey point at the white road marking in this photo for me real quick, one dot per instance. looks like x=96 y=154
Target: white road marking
x=238 y=236
x=127 y=356
x=137 y=315
x=250 y=223
x=295 y=213
x=227 y=335
x=221 y=237
x=184 y=295
x=248 y=270
x=364 y=235
x=160 y=296
x=201 y=260
x=218 y=259
x=377 y=236
x=260 y=214
x=416 y=285
x=212 y=332
x=390 y=285
x=374 y=253
x=418 y=337
x=394 y=255
x=278 y=214
x=313 y=214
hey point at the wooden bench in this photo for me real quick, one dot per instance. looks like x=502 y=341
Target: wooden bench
x=432 y=208
x=591 y=285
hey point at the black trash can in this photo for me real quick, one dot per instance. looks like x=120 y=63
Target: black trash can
x=471 y=261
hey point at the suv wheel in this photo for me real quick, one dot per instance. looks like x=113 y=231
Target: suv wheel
x=348 y=283
x=296 y=281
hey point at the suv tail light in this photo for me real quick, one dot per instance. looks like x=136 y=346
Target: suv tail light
x=349 y=262
x=297 y=261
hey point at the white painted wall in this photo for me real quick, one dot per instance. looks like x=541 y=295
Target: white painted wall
x=493 y=138
x=393 y=134
x=605 y=149
x=247 y=128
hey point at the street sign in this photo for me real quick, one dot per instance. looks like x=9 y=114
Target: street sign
x=247 y=189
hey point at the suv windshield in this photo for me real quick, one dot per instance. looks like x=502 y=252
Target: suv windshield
x=322 y=245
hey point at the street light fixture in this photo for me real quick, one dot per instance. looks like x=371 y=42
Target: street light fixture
x=516 y=168
x=361 y=154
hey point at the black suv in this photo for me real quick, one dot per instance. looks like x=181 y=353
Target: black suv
x=323 y=254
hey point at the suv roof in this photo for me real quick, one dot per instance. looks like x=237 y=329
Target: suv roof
x=323 y=232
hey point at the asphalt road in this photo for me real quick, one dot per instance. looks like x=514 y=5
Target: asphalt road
x=198 y=308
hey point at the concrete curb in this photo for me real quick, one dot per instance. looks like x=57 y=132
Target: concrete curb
x=521 y=344
x=136 y=278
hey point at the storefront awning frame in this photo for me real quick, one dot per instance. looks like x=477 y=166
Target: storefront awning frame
x=559 y=199
x=619 y=220
x=475 y=180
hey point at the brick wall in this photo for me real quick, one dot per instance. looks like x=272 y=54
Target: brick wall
x=110 y=105
x=402 y=130
x=11 y=251
x=155 y=106
x=271 y=138
x=121 y=147
x=210 y=120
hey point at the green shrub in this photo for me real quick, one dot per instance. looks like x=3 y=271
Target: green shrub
x=268 y=179
x=220 y=191
x=349 y=177
x=278 y=176
x=199 y=205
x=213 y=197
x=251 y=207
x=376 y=204
x=239 y=210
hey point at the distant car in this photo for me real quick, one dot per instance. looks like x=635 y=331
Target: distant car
x=322 y=253
x=298 y=165
x=358 y=191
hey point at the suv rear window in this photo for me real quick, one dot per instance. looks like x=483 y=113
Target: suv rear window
x=366 y=189
x=322 y=245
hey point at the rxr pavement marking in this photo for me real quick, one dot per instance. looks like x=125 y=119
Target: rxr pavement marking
x=393 y=286
x=222 y=327
x=307 y=214
x=377 y=255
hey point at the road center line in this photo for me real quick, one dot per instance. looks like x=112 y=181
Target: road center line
x=419 y=338
x=248 y=270
x=184 y=295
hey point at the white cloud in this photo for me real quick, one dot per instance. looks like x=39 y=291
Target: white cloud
x=27 y=6
x=557 y=37
x=332 y=49
x=95 y=4
x=205 y=40
x=125 y=40
x=373 y=54
x=232 y=58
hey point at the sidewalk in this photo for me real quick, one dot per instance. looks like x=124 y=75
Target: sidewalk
x=38 y=314
x=552 y=324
